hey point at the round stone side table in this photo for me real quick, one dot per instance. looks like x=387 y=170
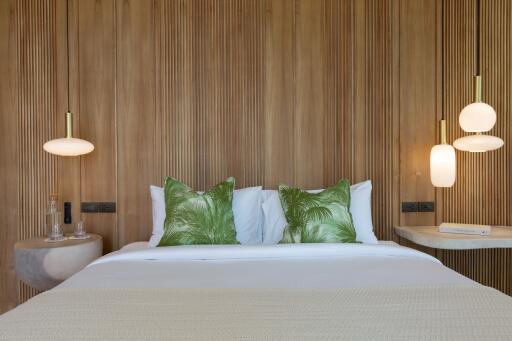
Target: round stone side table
x=44 y=265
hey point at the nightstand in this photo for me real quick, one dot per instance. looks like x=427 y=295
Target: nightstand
x=43 y=265
x=501 y=237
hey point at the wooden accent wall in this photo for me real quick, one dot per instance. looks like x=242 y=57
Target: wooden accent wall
x=297 y=91
x=482 y=193
x=9 y=156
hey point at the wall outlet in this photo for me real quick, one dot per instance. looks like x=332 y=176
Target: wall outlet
x=107 y=207
x=90 y=207
x=409 y=207
x=426 y=206
x=98 y=207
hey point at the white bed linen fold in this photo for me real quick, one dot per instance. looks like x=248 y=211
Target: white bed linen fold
x=273 y=266
x=245 y=252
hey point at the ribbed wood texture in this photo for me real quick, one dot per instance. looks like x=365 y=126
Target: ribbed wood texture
x=381 y=108
x=483 y=191
x=264 y=91
x=37 y=120
x=9 y=156
x=302 y=92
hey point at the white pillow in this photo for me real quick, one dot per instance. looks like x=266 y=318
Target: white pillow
x=274 y=219
x=158 y=202
x=360 y=208
x=246 y=213
x=266 y=193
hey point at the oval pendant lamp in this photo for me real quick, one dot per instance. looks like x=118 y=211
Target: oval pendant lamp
x=478 y=117
x=442 y=161
x=69 y=145
x=442 y=156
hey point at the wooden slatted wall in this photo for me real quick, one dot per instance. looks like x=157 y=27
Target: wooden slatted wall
x=296 y=91
x=37 y=105
x=483 y=191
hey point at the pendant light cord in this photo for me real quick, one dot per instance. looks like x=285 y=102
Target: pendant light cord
x=477 y=40
x=67 y=50
x=442 y=58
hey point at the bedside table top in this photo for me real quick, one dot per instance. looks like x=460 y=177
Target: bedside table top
x=44 y=265
x=39 y=243
x=501 y=237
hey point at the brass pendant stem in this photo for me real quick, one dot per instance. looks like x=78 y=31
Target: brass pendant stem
x=478 y=88
x=442 y=131
x=69 y=124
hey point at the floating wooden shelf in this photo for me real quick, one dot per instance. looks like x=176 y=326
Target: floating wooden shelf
x=501 y=237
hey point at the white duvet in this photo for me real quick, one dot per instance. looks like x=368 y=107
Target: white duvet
x=282 y=292
x=275 y=266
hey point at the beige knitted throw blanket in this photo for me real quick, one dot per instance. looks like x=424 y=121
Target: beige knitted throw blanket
x=405 y=313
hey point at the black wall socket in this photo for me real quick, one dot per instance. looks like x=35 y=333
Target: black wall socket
x=98 y=207
x=410 y=206
x=108 y=207
x=426 y=206
x=90 y=207
x=422 y=206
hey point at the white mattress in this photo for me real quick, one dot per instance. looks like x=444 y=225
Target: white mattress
x=276 y=266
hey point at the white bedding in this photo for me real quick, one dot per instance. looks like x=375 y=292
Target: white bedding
x=275 y=266
x=281 y=292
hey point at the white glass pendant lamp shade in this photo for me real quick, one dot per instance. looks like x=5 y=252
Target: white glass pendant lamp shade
x=478 y=143
x=442 y=162
x=68 y=146
x=478 y=117
x=442 y=165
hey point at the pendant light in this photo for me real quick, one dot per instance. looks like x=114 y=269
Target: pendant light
x=442 y=156
x=69 y=145
x=442 y=161
x=478 y=117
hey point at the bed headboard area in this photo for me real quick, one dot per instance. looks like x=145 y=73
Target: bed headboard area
x=302 y=92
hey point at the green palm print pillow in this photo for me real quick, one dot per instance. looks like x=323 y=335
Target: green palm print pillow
x=193 y=218
x=318 y=218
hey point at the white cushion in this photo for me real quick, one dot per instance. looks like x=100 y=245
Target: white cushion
x=158 y=202
x=246 y=212
x=360 y=208
x=274 y=219
x=266 y=193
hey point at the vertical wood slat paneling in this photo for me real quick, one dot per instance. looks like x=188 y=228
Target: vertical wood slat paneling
x=381 y=113
x=9 y=151
x=226 y=86
x=279 y=94
x=37 y=123
x=135 y=117
x=338 y=78
x=309 y=111
x=300 y=92
x=209 y=89
x=96 y=91
x=304 y=104
x=482 y=192
x=418 y=106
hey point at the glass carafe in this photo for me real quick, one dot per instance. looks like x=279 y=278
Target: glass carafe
x=54 y=220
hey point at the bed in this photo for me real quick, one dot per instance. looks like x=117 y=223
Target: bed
x=277 y=292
